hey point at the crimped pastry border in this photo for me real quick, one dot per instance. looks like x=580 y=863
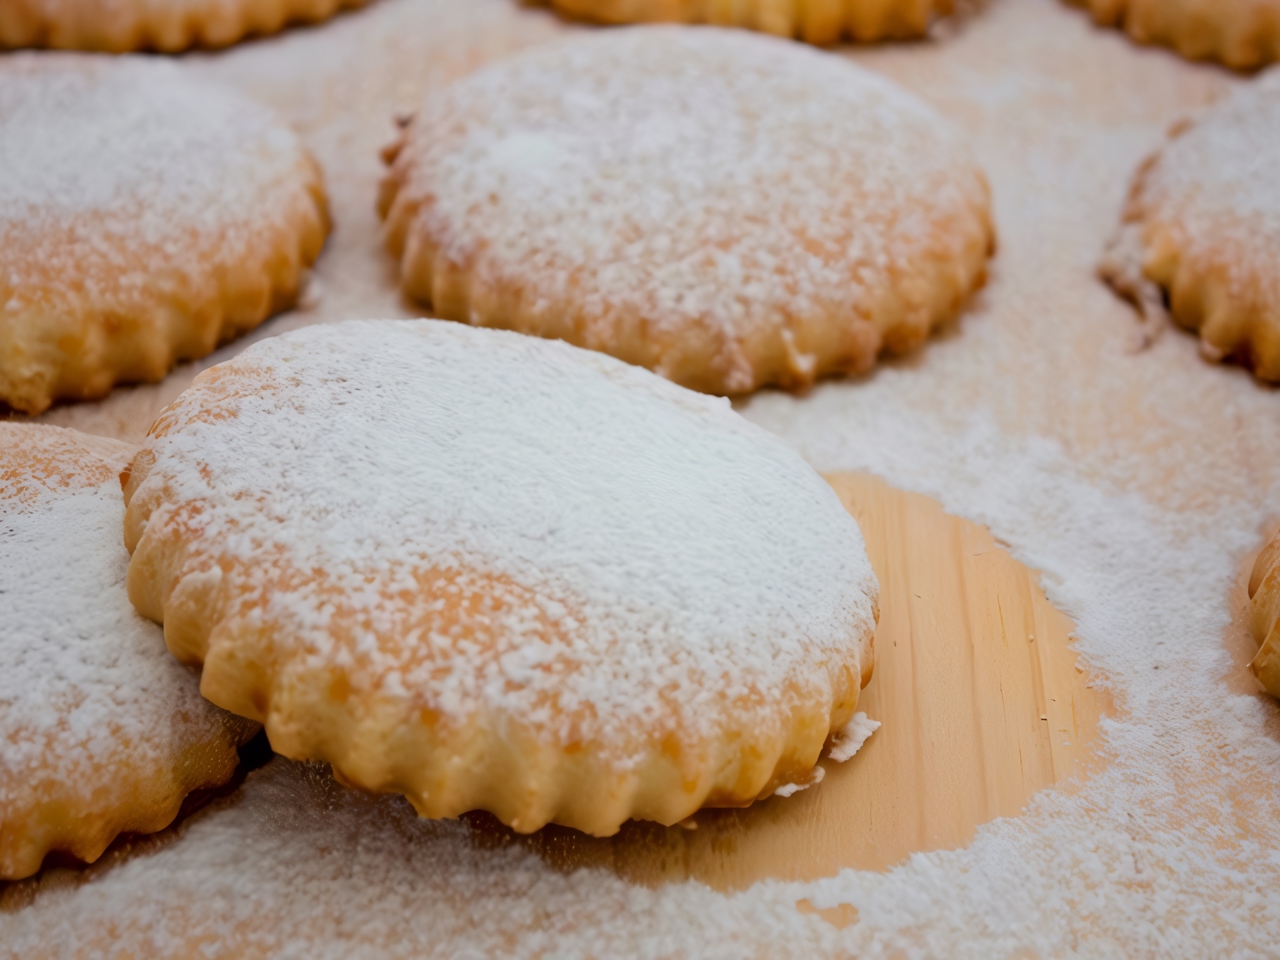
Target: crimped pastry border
x=1147 y=262
x=930 y=292
x=97 y=348
x=1198 y=29
x=819 y=22
x=94 y=25
x=492 y=762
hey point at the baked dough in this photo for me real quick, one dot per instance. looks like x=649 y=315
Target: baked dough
x=1264 y=592
x=145 y=217
x=169 y=26
x=492 y=571
x=101 y=732
x=822 y=22
x=1244 y=34
x=1201 y=230
x=726 y=209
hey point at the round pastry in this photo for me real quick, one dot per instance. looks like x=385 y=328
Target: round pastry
x=1244 y=34
x=118 y=26
x=1201 y=231
x=1264 y=592
x=146 y=216
x=495 y=572
x=101 y=732
x=725 y=209
x=825 y=21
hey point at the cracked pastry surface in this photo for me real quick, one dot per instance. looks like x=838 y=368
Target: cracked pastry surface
x=821 y=22
x=146 y=216
x=1201 y=228
x=167 y=26
x=101 y=731
x=495 y=572
x=1244 y=34
x=726 y=209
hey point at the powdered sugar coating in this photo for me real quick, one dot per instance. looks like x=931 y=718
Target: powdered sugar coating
x=95 y=717
x=151 y=150
x=640 y=557
x=1202 y=227
x=145 y=216
x=726 y=209
x=1216 y=179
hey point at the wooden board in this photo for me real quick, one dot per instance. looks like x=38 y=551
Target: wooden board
x=980 y=695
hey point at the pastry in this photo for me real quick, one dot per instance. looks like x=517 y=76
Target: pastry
x=824 y=21
x=169 y=26
x=1264 y=592
x=726 y=209
x=1244 y=34
x=495 y=572
x=101 y=732
x=146 y=216
x=1201 y=229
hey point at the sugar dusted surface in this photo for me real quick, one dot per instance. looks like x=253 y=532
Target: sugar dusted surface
x=1137 y=483
x=709 y=183
x=1217 y=184
x=121 y=170
x=88 y=694
x=653 y=556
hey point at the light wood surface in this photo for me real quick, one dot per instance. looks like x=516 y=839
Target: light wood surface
x=1060 y=115
x=982 y=703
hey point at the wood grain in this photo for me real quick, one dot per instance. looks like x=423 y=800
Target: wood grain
x=982 y=703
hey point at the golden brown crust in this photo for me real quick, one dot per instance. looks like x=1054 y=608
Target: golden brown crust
x=87 y=344
x=814 y=21
x=928 y=223
x=132 y=738
x=1264 y=592
x=113 y=277
x=161 y=25
x=1244 y=34
x=401 y=669
x=1196 y=239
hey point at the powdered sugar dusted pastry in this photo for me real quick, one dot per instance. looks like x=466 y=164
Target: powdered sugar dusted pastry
x=145 y=217
x=491 y=571
x=826 y=21
x=1201 y=230
x=1241 y=33
x=118 y=26
x=1264 y=592
x=725 y=209
x=101 y=732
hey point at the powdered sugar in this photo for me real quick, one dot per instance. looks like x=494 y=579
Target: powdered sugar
x=647 y=555
x=848 y=740
x=90 y=700
x=1136 y=483
x=1215 y=184
x=137 y=148
x=667 y=182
